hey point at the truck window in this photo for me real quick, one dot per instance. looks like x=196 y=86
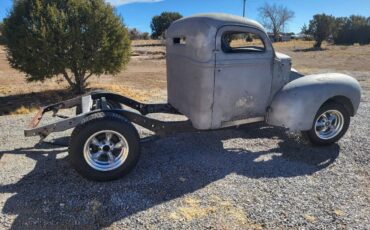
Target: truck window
x=240 y=42
x=179 y=40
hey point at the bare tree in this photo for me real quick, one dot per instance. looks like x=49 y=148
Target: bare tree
x=275 y=17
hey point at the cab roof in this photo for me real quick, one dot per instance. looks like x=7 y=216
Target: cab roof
x=199 y=32
x=218 y=20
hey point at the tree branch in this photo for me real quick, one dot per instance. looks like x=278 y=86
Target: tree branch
x=87 y=77
x=68 y=79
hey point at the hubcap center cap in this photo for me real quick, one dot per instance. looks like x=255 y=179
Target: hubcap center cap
x=106 y=148
x=329 y=124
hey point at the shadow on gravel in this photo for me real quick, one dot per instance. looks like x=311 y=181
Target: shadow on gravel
x=31 y=101
x=311 y=49
x=52 y=195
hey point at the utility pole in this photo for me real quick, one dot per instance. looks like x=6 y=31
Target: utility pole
x=244 y=1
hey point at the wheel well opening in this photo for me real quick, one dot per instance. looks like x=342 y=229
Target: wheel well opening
x=345 y=101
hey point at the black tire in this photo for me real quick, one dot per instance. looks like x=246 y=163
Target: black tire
x=93 y=124
x=314 y=138
x=110 y=103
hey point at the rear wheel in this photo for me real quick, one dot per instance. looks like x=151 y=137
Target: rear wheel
x=104 y=147
x=330 y=124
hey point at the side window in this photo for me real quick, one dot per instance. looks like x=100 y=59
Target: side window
x=179 y=40
x=242 y=42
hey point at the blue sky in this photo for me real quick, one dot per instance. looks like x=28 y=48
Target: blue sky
x=138 y=13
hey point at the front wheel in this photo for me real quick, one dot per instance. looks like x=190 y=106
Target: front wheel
x=104 y=147
x=330 y=124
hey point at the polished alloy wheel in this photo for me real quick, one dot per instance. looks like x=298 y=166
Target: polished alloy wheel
x=329 y=124
x=106 y=150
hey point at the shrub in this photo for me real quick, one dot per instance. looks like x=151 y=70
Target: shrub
x=355 y=29
x=135 y=34
x=74 y=39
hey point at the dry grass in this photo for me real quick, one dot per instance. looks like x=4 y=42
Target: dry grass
x=25 y=103
x=338 y=212
x=142 y=95
x=330 y=58
x=5 y=90
x=191 y=210
x=243 y=42
x=136 y=43
x=309 y=218
x=295 y=44
x=232 y=215
x=24 y=110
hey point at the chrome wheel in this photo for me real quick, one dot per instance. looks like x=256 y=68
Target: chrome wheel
x=106 y=150
x=329 y=124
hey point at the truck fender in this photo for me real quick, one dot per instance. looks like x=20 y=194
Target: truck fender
x=296 y=104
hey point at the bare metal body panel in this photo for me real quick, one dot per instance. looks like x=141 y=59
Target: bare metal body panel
x=296 y=104
x=209 y=86
x=215 y=88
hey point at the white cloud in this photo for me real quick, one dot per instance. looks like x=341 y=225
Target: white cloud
x=124 y=2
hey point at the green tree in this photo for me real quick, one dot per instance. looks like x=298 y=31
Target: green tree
x=304 y=29
x=135 y=34
x=355 y=29
x=145 y=36
x=321 y=27
x=1 y=33
x=161 y=23
x=74 y=39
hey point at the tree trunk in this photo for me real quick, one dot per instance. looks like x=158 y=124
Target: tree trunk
x=68 y=79
x=276 y=35
x=80 y=84
x=318 y=44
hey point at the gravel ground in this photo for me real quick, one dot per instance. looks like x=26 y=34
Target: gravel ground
x=254 y=177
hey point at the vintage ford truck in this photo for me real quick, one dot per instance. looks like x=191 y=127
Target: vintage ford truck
x=222 y=71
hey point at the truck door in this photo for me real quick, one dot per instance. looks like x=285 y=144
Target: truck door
x=243 y=75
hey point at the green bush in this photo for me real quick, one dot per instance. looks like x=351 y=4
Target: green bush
x=2 y=39
x=74 y=39
x=343 y=30
x=135 y=34
x=355 y=29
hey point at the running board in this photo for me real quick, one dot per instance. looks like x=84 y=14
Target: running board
x=227 y=124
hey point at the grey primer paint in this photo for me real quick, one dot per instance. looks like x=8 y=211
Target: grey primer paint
x=296 y=104
x=217 y=89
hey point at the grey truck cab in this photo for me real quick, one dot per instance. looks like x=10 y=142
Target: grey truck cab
x=222 y=71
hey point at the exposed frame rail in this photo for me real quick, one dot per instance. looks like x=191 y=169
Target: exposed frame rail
x=86 y=102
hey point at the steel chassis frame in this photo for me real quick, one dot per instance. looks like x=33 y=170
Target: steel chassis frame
x=98 y=99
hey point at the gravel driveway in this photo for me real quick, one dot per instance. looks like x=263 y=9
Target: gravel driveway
x=254 y=177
